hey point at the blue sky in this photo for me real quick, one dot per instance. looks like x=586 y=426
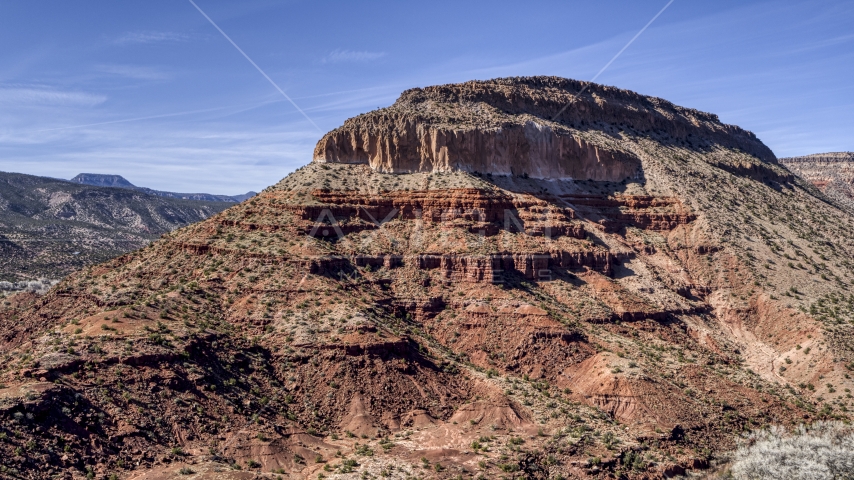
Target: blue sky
x=151 y=91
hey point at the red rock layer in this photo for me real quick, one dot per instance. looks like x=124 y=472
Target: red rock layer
x=483 y=212
x=645 y=212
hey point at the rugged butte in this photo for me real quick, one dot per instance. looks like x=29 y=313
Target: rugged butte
x=462 y=284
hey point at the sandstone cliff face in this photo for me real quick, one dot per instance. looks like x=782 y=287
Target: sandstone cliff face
x=533 y=149
x=515 y=126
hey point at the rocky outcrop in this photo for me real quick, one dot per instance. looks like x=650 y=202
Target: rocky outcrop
x=466 y=204
x=520 y=126
x=481 y=212
x=533 y=149
x=640 y=211
x=491 y=268
x=473 y=268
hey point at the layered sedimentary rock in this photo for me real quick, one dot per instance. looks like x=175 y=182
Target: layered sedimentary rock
x=468 y=268
x=640 y=211
x=481 y=212
x=532 y=149
x=832 y=173
x=820 y=159
x=521 y=126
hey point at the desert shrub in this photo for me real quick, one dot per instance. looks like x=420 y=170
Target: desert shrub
x=508 y=467
x=824 y=450
x=364 y=450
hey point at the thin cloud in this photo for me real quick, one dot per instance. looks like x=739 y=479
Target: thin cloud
x=806 y=47
x=130 y=38
x=339 y=56
x=44 y=96
x=137 y=72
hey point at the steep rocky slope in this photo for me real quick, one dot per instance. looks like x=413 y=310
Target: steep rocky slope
x=832 y=173
x=353 y=321
x=49 y=228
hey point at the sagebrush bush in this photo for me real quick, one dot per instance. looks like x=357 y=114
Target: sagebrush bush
x=824 y=450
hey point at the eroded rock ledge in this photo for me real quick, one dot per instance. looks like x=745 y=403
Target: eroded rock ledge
x=518 y=126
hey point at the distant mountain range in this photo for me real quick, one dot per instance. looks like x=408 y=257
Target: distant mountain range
x=117 y=181
x=51 y=227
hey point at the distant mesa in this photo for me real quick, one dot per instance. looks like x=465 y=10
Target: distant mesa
x=100 y=180
x=818 y=158
x=117 y=181
x=832 y=173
